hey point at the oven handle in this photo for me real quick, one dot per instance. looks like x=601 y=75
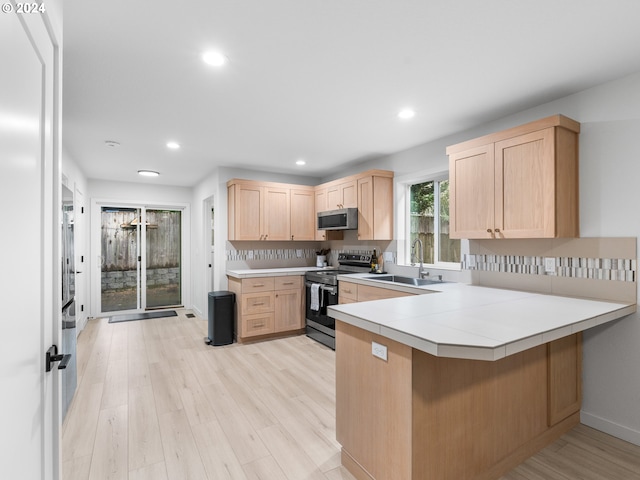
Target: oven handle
x=328 y=288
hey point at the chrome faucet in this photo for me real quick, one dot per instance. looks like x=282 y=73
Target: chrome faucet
x=421 y=270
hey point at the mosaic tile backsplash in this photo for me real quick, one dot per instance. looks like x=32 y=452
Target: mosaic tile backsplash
x=619 y=269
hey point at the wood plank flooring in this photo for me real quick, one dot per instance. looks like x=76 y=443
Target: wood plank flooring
x=155 y=402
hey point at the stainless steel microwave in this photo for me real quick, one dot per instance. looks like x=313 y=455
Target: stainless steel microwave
x=341 y=219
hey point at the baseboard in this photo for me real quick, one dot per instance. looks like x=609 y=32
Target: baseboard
x=620 y=431
x=197 y=311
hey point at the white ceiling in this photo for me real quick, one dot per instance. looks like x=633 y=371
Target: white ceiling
x=320 y=80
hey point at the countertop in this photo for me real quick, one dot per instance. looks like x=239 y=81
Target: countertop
x=466 y=321
x=273 y=272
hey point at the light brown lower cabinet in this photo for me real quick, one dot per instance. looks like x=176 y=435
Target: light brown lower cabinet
x=417 y=416
x=268 y=306
x=349 y=292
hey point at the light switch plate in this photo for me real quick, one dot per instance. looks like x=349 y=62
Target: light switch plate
x=378 y=350
x=549 y=265
x=388 y=256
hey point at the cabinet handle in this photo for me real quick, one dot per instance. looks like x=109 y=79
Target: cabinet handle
x=258 y=325
x=291 y=237
x=346 y=291
x=497 y=230
x=258 y=304
x=288 y=283
x=489 y=230
x=258 y=285
x=265 y=237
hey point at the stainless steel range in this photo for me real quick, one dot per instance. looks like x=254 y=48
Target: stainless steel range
x=321 y=287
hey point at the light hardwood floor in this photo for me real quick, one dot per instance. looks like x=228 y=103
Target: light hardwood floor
x=155 y=402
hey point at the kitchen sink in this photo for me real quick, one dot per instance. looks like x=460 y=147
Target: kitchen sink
x=417 y=282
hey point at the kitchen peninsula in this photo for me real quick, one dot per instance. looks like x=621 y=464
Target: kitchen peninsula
x=465 y=382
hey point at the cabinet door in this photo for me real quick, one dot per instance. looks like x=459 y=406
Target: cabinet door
x=288 y=310
x=249 y=207
x=565 y=377
x=365 y=208
x=334 y=197
x=472 y=193
x=349 y=193
x=525 y=186
x=277 y=214
x=321 y=206
x=303 y=215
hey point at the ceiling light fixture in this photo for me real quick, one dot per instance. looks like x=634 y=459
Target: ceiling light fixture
x=406 y=113
x=300 y=162
x=111 y=143
x=215 y=59
x=173 y=145
x=148 y=173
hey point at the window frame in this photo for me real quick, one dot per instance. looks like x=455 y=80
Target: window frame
x=404 y=225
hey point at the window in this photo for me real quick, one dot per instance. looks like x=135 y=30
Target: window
x=428 y=221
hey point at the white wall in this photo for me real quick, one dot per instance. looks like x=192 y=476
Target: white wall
x=609 y=199
x=76 y=181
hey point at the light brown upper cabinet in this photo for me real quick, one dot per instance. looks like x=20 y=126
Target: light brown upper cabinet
x=321 y=206
x=263 y=211
x=375 y=207
x=342 y=194
x=518 y=183
x=303 y=221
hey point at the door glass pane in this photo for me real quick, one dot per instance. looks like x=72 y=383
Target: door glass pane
x=421 y=222
x=449 y=250
x=163 y=258
x=120 y=247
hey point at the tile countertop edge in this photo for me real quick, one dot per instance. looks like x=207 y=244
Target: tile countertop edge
x=272 y=272
x=476 y=352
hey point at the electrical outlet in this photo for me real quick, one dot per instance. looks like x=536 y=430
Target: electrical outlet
x=549 y=265
x=388 y=257
x=250 y=255
x=379 y=351
x=299 y=253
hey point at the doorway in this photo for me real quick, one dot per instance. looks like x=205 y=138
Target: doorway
x=140 y=258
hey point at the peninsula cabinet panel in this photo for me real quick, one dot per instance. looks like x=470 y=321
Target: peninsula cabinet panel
x=416 y=416
x=521 y=183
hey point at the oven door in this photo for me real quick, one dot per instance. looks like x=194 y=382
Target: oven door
x=319 y=319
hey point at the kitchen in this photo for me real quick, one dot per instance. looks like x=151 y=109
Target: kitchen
x=608 y=113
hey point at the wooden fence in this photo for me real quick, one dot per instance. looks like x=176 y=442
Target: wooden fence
x=423 y=225
x=119 y=239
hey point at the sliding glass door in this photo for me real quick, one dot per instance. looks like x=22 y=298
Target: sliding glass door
x=163 y=254
x=141 y=258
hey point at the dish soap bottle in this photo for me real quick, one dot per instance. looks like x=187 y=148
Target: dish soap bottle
x=374 y=261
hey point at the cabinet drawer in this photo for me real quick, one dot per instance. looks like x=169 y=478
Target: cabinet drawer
x=366 y=293
x=257 y=302
x=347 y=291
x=342 y=300
x=288 y=282
x=262 y=284
x=259 y=324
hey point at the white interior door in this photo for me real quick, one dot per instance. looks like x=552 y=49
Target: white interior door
x=29 y=405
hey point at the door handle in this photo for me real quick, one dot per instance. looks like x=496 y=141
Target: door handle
x=52 y=357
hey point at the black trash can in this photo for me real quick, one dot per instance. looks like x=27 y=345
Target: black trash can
x=221 y=318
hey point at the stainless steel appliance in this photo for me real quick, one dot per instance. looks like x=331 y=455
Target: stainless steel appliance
x=68 y=374
x=321 y=290
x=341 y=219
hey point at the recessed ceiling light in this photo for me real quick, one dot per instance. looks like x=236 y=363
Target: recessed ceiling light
x=300 y=162
x=173 y=145
x=406 y=113
x=148 y=173
x=111 y=143
x=213 y=58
